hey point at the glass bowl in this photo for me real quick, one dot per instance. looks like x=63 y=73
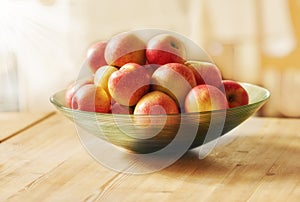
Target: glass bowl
x=187 y=130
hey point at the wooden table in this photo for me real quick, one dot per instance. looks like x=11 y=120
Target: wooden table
x=42 y=159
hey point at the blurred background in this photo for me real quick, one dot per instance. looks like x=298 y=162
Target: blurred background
x=43 y=43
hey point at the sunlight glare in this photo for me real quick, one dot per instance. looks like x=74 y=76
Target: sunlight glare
x=38 y=37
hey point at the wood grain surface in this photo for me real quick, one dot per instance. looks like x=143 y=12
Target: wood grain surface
x=258 y=161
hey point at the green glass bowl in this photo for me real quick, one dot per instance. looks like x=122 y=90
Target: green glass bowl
x=132 y=132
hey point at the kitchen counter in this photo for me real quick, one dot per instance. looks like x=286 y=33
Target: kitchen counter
x=42 y=159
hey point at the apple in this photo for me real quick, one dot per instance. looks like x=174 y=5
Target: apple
x=125 y=48
x=206 y=73
x=165 y=48
x=156 y=102
x=129 y=84
x=150 y=68
x=236 y=94
x=95 y=55
x=121 y=109
x=74 y=86
x=205 y=98
x=91 y=98
x=174 y=79
x=102 y=75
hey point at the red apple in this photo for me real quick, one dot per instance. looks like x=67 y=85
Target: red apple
x=205 y=98
x=91 y=98
x=150 y=68
x=102 y=75
x=174 y=79
x=236 y=94
x=129 y=84
x=125 y=48
x=156 y=102
x=95 y=55
x=165 y=48
x=206 y=73
x=121 y=109
x=73 y=87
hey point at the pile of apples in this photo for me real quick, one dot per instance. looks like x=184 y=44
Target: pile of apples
x=134 y=76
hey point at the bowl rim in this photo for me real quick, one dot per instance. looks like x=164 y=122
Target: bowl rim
x=67 y=109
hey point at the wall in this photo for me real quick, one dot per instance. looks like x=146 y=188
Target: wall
x=49 y=38
x=52 y=37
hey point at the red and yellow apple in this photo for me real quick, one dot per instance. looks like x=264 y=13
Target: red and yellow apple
x=91 y=98
x=125 y=48
x=206 y=73
x=156 y=102
x=150 y=68
x=74 y=86
x=95 y=55
x=121 y=109
x=236 y=94
x=174 y=79
x=205 y=98
x=165 y=48
x=129 y=84
x=102 y=75
x=133 y=76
